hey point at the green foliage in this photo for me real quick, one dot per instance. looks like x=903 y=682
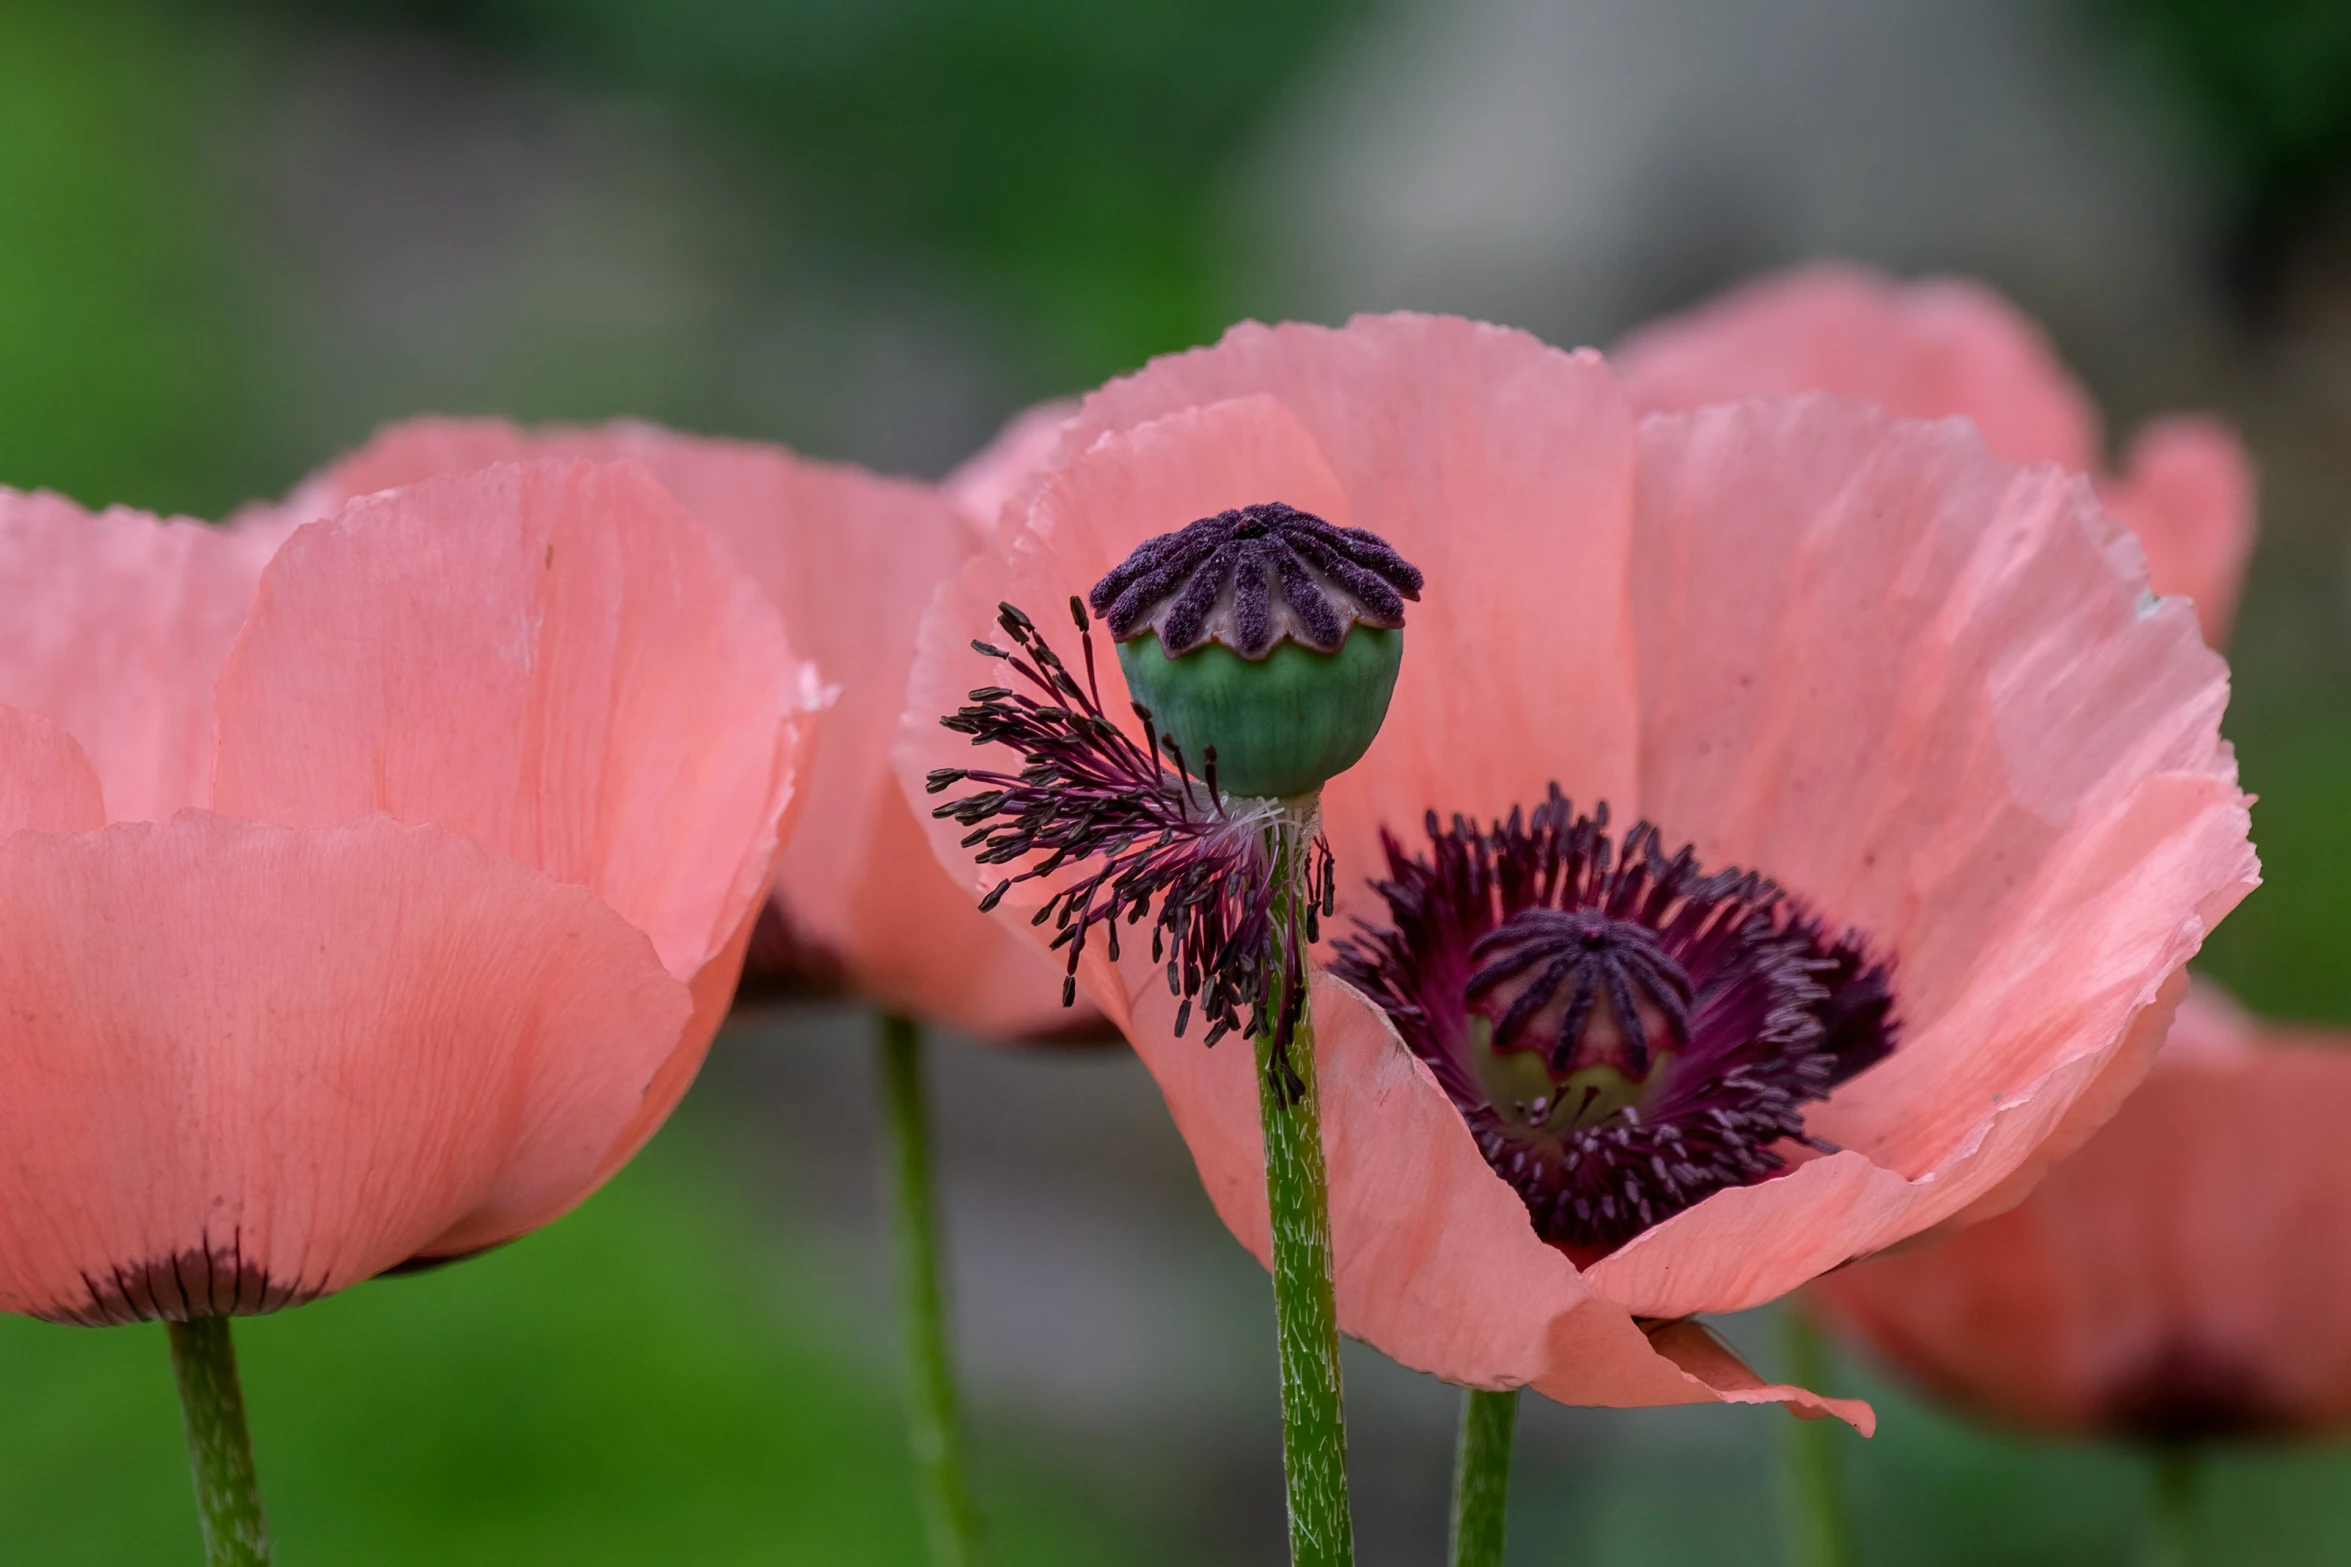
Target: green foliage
x=2272 y=81
x=1065 y=156
x=2283 y=950
x=123 y=367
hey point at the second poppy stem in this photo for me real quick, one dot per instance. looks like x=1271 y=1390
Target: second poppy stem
x=1297 y=1191
x=934 y=1431
x=1481 y=1476
x=1822 y=1537
x=220 y=1451
x=2171 y=1534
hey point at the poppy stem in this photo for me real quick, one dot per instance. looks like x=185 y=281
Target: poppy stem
x=1822 y=1536
x=1481 y=1476
x=220 y=1452
x=950 y=1523
x=1297 y=1191
x=2172 y=1526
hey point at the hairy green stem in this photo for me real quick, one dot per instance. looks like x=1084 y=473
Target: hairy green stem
x=950 y=1522
x=220 y=1453
x=1821 y=1535
x=1481 y=1477
x=2172 y=1522
x=1297 y=1191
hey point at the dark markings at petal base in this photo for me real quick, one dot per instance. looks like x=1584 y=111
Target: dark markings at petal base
x=1624 y=1032
x=2187 y=1394
x=204 y=1281
x=784 y=963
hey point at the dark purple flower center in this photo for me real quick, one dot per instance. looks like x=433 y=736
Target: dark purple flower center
x=2186 y=1392
x=1252 y=576
x=1624 y=1032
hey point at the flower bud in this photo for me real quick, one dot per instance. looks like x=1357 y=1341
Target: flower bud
x=1265 y=636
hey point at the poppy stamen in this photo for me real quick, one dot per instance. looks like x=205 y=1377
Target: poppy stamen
x=1624 y=1032
x=1161 y=845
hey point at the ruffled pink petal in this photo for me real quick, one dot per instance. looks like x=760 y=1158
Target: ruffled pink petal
x=1435 y=1261
x=1691 y=1346
x=250 y=1065
x=1006 y=466
x=46 y=783
x=1942 y=349
x=1976 y=739
x=1929 y=350
x=608 y=699
x=851 y=560
x=2188 y=491
x=2194 y=1250
x=117 y=624
x=1484 y=456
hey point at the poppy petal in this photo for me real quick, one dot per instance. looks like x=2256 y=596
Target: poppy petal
x=286 y=1060
x=610 y=701
x=117 y=626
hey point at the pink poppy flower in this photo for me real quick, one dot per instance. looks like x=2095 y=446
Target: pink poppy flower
x=371 y=900
x=851 y=559
x=1926 y=693
x=2185 y=1276
x=1946 y=347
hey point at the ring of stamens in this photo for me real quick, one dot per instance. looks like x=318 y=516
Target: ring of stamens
x=1624 y=1033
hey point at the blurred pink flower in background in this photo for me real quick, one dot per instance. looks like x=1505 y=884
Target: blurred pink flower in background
x=851 y=558
x=374 y=903
x=2186 y=1276
x=2183 y=1277
x=997 y=472
x=1948 y=347
x=1915 y=685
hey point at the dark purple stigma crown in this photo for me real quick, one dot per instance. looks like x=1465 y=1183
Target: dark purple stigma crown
x=1252 y=576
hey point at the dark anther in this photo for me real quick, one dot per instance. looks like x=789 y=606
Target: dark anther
x=1155 y=843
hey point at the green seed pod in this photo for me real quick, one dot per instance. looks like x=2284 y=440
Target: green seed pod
x=1282 y=724
x=1266 y=635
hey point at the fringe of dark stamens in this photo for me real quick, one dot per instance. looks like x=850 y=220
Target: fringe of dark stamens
x=1770 y=1009
x=1157 y=845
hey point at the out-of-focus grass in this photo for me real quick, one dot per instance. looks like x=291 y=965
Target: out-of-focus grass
x=650 y=1380
x=2271 y=82
x=1937 y=1491
x=1613 y=1488
x=2286 y=951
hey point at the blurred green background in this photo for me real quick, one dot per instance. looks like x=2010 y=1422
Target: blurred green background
x=235 y=237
